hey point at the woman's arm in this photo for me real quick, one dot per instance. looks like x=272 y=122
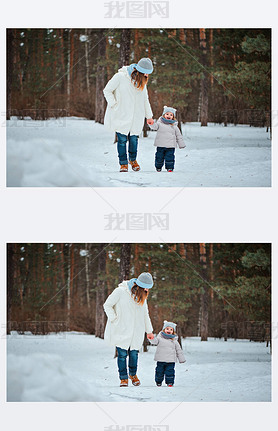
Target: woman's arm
x=109 y=305
x=148 y=323
x=148 y=109
x=109 y=89
x=179 y=138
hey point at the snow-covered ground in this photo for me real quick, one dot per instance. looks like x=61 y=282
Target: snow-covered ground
x=73 y=152
x=79 y=367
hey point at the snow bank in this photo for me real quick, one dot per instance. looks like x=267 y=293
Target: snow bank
x=43 y=377
x=41 y=163
x=81 y=153
x=80 y=367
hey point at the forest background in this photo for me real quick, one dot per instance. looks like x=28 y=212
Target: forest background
x=209 y=75
x=208 y=289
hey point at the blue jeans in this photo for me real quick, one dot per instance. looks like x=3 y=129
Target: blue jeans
x=132 y=362
x=166 y=369
x=165 y=154
x=132 y=147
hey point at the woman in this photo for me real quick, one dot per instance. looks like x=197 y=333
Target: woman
x=128 y=320
x=127 y=107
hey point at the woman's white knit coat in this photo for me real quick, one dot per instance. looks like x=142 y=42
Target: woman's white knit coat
x=127 y=320
x=127 y=107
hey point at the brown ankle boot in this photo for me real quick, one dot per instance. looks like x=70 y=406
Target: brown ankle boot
x=124 y=382
x=134 y=165
x=124 y=168
x=134 y=380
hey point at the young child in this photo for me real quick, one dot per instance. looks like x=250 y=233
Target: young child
x=167 y=353
x=167 y=138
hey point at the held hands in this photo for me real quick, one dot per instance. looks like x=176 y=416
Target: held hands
x=150 y=121
x=150 y=336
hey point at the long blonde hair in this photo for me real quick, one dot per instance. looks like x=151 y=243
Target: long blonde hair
x=139 y=79
x=139 y=294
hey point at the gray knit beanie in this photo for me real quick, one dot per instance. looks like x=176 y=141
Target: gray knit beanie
x=171 y=324
x=144 y=65
x=145 y=280
x=169 y=109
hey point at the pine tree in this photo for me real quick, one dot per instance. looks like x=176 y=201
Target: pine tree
x=124 y=47
x=204 y=79
x=125 y=262
x=204 y=294
x=100 y=79
x=100 y=293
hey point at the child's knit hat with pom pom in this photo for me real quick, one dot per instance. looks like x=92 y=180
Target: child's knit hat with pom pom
x=169 y=109
x=171 y=324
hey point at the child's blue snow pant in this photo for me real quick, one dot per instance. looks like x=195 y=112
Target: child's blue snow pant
x=166 y=369
x=132 y=362
x=167 y=154
x=132 y=147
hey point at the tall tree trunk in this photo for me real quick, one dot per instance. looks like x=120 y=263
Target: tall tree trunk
x=211 y=278
x=55 y=49
x=100 y=79
x=145 y=344
x=211 y=267
x=87 y=264
x=11 y=266
x=137 y=263
x=87 y=42
x=211 y=54
x=41 y=55
x=182 y=35
x=145 y=129
x=125 y=262
x=72 y=56
x=179 y=334
x=182 y=250
x=190 y=252
x=225 y=98
x=72 y=276
x=100 y=293
x=63 y=279
x=62 y=59
x=149 y=264
x=189 y=37
x=10 y=51
x=204 y=79
x=124 y=47
x=137 y=50
x=18 y=70
x=68 y=72
x=69 y=286
x=226 y=315
x=204 y=295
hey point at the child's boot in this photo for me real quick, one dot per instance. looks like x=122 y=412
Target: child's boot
x=124 y=168
x=134 y=380
x=170 y=385
x=169 y=170
x=158 y=169
x=158 y=384
x=134 y=165
x=124 y=382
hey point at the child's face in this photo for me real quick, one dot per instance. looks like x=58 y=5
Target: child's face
x=169 y=115
x=169 y=330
